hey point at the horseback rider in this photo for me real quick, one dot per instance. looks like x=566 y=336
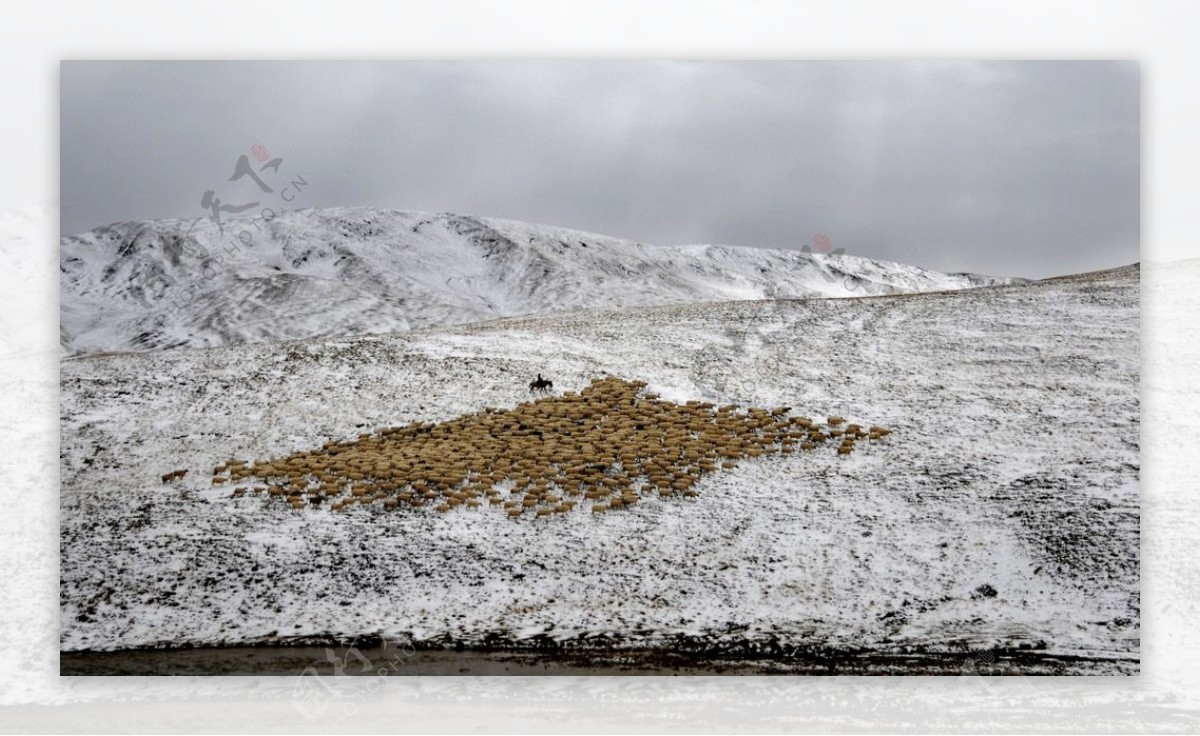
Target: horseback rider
x=541 y=384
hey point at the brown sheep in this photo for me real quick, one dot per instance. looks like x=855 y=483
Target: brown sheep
x=611 y=440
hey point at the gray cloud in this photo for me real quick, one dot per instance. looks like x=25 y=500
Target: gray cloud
x=1007 y=168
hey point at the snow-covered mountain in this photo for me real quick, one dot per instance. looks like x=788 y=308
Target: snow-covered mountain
x=1002 y=516
x=137 y=286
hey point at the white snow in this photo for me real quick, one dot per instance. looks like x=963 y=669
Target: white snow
x=1014 y=464
x=138 y=286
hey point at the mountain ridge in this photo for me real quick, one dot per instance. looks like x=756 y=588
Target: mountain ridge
x=148 y=285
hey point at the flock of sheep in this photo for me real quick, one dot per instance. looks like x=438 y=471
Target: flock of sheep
x=608 y=446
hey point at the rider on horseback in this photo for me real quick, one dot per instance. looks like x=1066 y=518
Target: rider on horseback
x=545 y=385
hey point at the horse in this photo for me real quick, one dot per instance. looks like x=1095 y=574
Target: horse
x=543 y=385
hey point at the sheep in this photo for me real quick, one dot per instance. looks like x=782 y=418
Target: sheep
x=610 y=440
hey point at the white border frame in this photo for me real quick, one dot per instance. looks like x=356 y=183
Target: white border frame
x=34 y=37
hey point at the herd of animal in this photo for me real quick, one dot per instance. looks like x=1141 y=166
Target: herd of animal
x=610 y=446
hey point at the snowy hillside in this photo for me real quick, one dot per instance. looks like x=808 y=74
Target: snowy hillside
x=146 y=285
x=1002 y=513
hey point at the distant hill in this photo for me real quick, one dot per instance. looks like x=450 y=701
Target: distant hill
x=137 y=286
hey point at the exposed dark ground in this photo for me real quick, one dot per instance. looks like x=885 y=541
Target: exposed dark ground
x=390 y=661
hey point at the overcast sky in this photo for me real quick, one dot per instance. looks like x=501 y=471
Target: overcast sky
x=1023 y=168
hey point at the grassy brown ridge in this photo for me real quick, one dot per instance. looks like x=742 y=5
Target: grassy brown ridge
x=610 y=444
